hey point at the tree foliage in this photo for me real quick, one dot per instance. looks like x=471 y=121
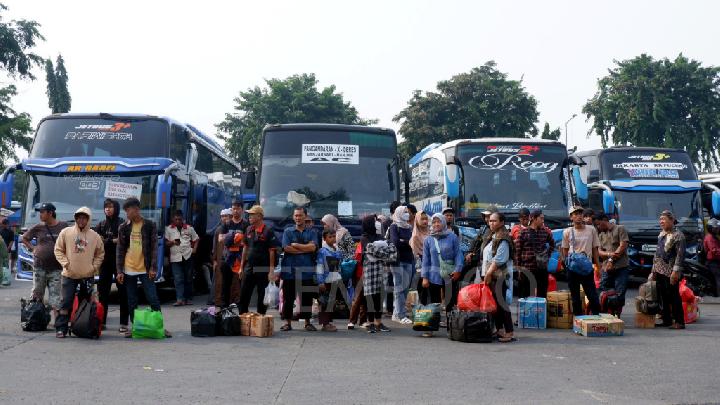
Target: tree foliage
x=662 y=103
x=295 y=99
x=15 y=128
x=553 y=135
x=58 y=94
x=480 y=103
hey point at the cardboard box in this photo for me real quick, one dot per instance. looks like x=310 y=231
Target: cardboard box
x=245 y=321
x=262 y=325
x=598 y=325
x=644 y=321
x=559 y=310
x=532 y=313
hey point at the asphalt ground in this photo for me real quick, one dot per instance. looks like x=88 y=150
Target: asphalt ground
x=354 y=367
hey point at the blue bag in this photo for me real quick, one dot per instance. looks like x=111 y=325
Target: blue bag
x=577 y=263
x=347 y=269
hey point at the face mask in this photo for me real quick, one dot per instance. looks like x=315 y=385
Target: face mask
x=405 y=216
x=378 y=227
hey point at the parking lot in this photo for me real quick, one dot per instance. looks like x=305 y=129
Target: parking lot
x=544 y=366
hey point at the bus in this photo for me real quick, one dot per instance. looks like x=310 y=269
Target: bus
x=82 y=159
x=633 y=185
x=471 y=175
x=345 y=170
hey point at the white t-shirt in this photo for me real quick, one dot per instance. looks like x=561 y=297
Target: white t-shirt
x=585 y=240
x=187 y=236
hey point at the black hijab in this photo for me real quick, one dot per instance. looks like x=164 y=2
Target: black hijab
x=369 y=233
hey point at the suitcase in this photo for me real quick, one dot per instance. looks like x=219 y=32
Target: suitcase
x=34 y=315
x=203 y=323
x=471 y=327
x=86 y=319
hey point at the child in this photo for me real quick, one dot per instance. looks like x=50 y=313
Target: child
x=327 y=273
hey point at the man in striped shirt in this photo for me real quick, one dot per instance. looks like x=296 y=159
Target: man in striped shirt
x=533 y=247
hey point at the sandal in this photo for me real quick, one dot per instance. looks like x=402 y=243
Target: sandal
x=128 y=335
x=507 y=339
x=60 y=334
x=286 y=328
x=310 y=327
x=123 y=329
x=677 y=326
x=167 y=334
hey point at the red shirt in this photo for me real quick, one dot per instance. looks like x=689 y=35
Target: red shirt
x=712 y=247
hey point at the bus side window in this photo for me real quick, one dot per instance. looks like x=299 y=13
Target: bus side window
x=436 y=184
x=178 y=143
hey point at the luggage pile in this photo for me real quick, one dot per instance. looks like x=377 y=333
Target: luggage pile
x=228 y=322
x=473 y=322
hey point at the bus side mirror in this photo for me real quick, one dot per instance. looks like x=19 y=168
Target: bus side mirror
x=191 y=157
x=163 y=190
x=608 y=202
x=6 y=187
x=581 y=189
x=250 y=179
x=716 y=203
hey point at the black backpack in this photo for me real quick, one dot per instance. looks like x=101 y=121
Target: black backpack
x=85 y=322
x=230 y=319
x=610 y=302
x=34 y=315
x=204 y=324
x=471 y=327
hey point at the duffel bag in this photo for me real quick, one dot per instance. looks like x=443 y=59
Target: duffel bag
x=426 y=317
x=470 y=327
x=203 y=323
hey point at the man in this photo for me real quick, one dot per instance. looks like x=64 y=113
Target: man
x=588 y=216
x=613 y=254
x=218 y=253
x=46 y=269
x=183 y=242
x=108 y=231
x=230 y=267
x=533 y=247
x=711 y=247
x=449 y=214
x=583 y=239
x=80 y=252
x=524 y=218
x=298 y=268
x=387 y=219
x=258 y=260
x=8 y=236
x=137 y=258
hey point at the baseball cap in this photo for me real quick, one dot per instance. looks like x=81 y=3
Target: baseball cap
x=256 y=209
x=46 y=206
x=575 y=209
x=226 y=211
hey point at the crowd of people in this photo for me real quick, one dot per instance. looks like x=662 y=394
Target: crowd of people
x=408 y=249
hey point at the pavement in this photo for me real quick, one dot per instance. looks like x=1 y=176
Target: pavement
x=352 y=367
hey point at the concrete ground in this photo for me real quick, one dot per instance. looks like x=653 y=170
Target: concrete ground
x=544 y=366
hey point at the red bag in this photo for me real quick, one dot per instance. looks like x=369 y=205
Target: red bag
x=552 y=283
x=597 y=276
x=691 y=310
x=99 y=312
x=686 y=294
x=476 y=298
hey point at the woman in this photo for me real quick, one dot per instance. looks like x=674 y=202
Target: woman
x=376 y=253
x=666 y=271
x=345 y=243
x=421 y=230
x=497 y=259
x=441 y=246
x=400 y=234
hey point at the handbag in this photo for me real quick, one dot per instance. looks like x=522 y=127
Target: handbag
x=446 y=267
x=577 y=262
x=347 y=269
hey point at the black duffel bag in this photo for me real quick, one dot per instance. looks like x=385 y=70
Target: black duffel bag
x=34 y=315
x=471 y=327
x=230 y=321
x=203 y=323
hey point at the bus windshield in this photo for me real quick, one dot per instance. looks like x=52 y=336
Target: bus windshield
x=639 y=210
x=68 y=193
x=647 y=165
x=61 y=137
x=511 y=177
x=329 y=172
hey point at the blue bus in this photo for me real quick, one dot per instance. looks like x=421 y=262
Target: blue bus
x=470 y=175
x=82 y=159
x=633 y=185
x=345 y=170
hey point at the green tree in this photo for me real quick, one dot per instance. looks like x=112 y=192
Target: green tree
x=51 y=90
x=548 y=134
x=662 y=103
x=481 y=103
x=17 y=39
x=63 y=99
x=295 y=99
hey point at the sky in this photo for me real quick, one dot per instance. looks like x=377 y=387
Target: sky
x=189 y=59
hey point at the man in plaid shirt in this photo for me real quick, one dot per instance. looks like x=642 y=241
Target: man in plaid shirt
x=532 y=250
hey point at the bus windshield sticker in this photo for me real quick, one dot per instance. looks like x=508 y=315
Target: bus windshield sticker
x=658 y=170
x=331 y=153
x=504 y=161
x=122 y=191
x=345 y=208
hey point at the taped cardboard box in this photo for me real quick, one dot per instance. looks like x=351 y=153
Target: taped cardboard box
x=245 y=321
x=532 y=313
x=598 y=325
x=559 y=310
x=262 y=325
x=644 y=321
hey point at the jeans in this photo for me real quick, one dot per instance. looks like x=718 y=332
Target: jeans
x=616 y=280
x=588 y=284
x=131 y=285
x=68 y=289
x=183 y=277
x=402 y=276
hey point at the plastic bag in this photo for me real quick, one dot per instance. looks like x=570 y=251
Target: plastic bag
x=691 y=311
x=686 y=294
x=552 y=283
x=272 y=296
x=476 y=298
x=426 y=317
x=148 y=324
x=6 y=275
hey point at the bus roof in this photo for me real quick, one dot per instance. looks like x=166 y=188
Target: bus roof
x=328 y=127
x=593 y=152
x=424 y=152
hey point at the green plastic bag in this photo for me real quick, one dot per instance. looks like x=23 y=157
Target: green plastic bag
x=148 y=324
x=6 y=276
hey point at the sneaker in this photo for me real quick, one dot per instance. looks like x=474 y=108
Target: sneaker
x=383 y=328
x=395 y=319
x=365 y=325
x=406 y=321
x=351 y=326
x=371 y=328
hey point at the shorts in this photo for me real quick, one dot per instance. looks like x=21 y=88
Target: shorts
x=50 y=279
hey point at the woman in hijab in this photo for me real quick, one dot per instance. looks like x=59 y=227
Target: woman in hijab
x=399 y=234
x=421 y=230
x=345 y=243
x=440 y=249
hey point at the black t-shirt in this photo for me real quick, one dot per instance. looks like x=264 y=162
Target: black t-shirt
x=259 y=242
x=8 y=236
x=234 y=226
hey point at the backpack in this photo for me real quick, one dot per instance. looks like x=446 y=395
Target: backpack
x=34 y=315
x=610 y=302
x=471 y=327
x=86 y=318
x=647 y=302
